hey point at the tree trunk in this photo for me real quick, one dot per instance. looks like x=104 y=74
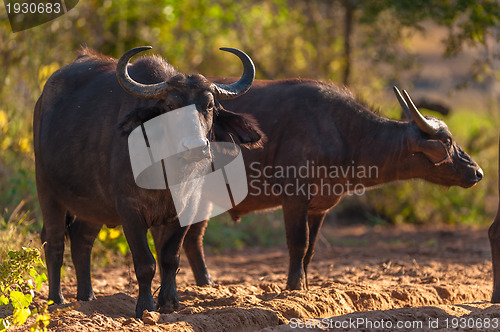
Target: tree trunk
x=348 y=27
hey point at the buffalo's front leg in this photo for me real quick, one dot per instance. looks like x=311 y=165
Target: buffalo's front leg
x=297 y=237
x=494 y=236
x=168 y=300
x=82 y=235
x=193 y=247
x=144 y=262
x=314 y=221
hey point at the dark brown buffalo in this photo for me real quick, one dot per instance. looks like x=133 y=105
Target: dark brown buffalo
x=307 y=120
x=83 y=168
x=494 y=236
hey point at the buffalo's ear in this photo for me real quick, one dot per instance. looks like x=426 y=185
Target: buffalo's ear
x=239 y=128
x=434 y=150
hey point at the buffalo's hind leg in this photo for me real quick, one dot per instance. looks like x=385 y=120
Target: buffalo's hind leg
x=168 y=300
x=494 y=236
x=135 y=230
x=52 y=236
x=314 y=221
x=193 y=247
x=297 y=239
x=82 y=235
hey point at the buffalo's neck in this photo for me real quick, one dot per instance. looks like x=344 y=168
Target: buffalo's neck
x=379 y=152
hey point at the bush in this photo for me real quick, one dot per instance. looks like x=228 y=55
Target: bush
x=18 y=279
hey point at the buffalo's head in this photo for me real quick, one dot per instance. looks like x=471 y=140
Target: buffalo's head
x=181 y=90
x=446 y=163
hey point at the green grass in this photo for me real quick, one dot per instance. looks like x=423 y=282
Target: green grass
x=17 y=230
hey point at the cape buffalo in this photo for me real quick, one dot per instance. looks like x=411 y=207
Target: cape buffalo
x=318 y=126
x=83 y=171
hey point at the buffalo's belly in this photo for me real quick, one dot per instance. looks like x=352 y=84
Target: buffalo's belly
x=251 y=204
x=270 y=197
x=93 y=208
x=89 y=213
x=77 y=191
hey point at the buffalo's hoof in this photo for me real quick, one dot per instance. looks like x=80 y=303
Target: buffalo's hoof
x=169 y=307
x=205 y=282
x=495 y=298
x=299 y=284
x=297 y=287
x=86 y=297
x=57 y=299
x=144 y=305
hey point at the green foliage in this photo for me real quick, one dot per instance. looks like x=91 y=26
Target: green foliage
x=264 y=229
x=469 y=23
x=18 y=280
x=112 y=241
x=113 y=238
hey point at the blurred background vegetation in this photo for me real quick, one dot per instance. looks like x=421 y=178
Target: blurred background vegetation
x=446 y=50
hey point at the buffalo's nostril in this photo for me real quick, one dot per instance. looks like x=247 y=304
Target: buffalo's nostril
x=479 y=174
x=193 y=143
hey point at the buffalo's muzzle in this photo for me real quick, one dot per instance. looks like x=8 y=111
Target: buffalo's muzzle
x=196 y=150
x=474 y=178
x=479 y=174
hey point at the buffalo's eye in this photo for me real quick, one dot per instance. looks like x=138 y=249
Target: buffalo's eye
x=170 y=107
x=210 y=107
x=448 y=143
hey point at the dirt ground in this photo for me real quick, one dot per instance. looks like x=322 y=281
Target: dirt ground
x=376 y=277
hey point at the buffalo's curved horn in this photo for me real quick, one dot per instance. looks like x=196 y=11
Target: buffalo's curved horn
x=402 y=102
x=146 y=91
x=413 y=112
x=419 y=119
x=233 y=90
